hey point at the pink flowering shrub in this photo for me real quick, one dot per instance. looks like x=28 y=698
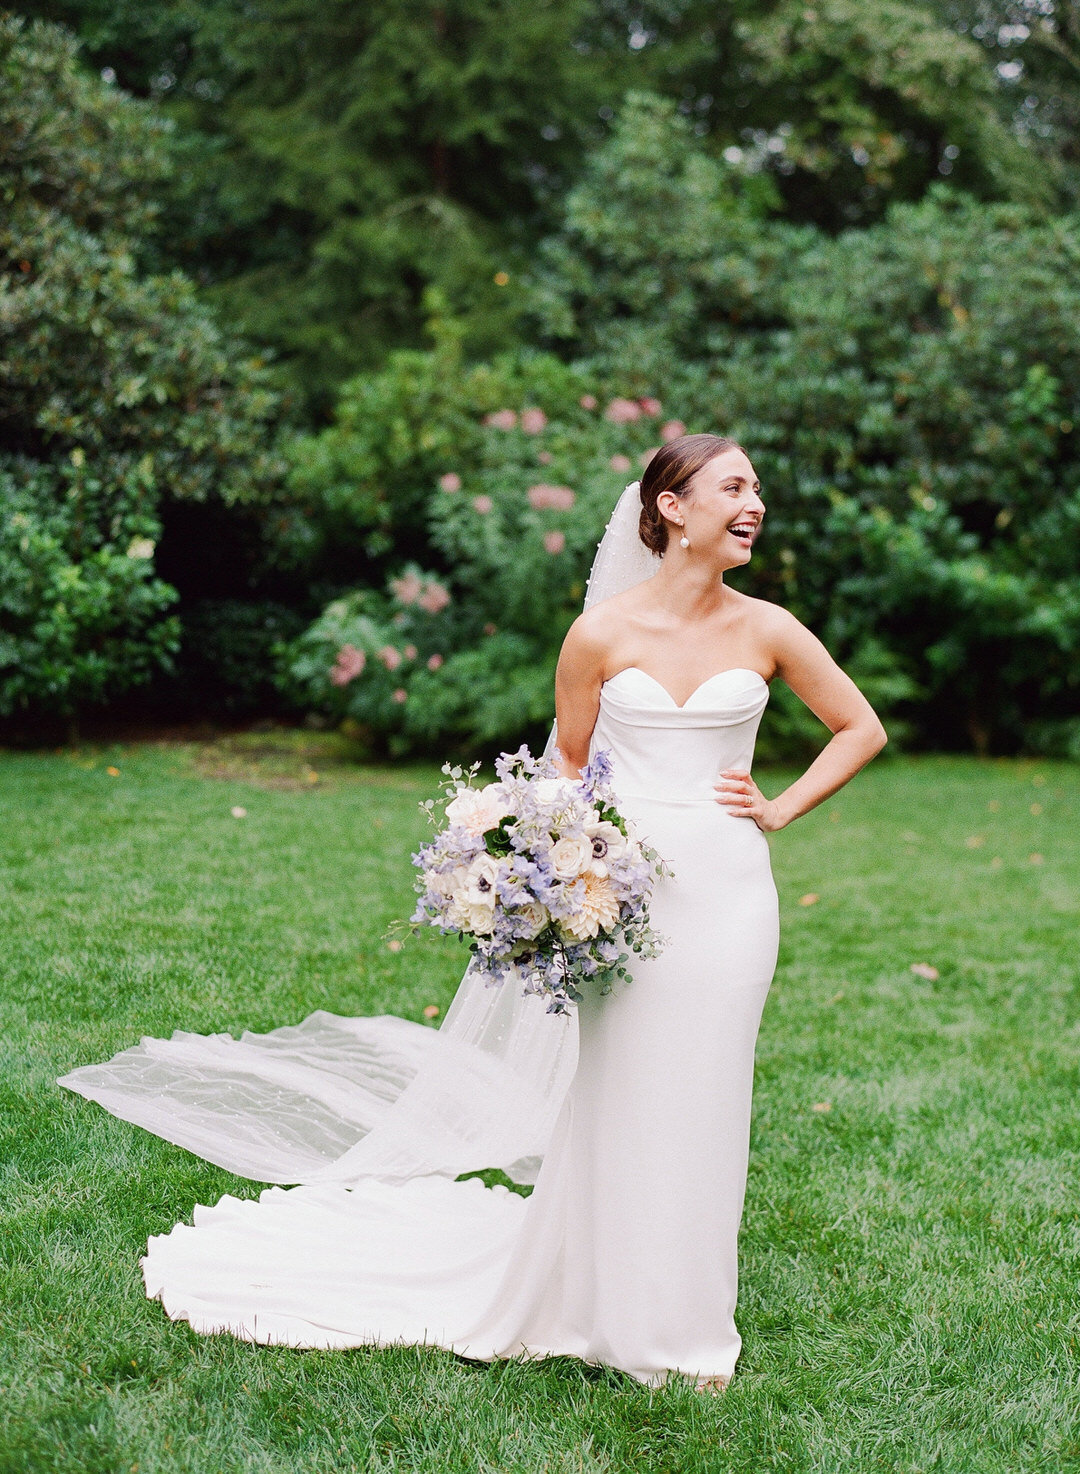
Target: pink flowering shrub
x=528 y=462
x=348 y=664
x=435 y=597
x=623 y=411
x=551 y=498
x=408 y=588
x=360 y=660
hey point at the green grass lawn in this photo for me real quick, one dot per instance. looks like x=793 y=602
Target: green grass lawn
x=910 y=1294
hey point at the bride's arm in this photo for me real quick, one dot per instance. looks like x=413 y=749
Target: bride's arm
x=578 y=678
x=803 y=662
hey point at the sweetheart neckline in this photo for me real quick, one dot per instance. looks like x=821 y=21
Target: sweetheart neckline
x=741 y=669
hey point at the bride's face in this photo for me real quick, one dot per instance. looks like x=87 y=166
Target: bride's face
x=724 y=511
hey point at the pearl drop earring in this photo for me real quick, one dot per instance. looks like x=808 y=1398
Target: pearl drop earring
x=684 y=541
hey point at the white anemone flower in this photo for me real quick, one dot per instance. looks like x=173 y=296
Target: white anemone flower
x=480 y=880
x=608 y=843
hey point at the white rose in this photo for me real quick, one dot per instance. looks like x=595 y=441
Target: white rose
x=557 y=790
x=478 y=809
x=481 y=920
x=449 y=884
x=530 y=920
x=569 y=857
x=457 y=915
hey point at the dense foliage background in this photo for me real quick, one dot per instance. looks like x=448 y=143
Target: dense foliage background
x=329 y=335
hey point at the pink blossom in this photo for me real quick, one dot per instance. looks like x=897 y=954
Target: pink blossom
x=550 y=498
x=650 y=406
x=450 y=482
x=533 y=421
x=623 y=411
x=587 y=401
x=400 y=695
x=489 y=628
x=390 y=657
x=501 y=419
x=482 y=504
x=620 y=463
x=407 y=589
x=348 y=665
x=434 y=661
x=434 y=598
x=671 y=430
x=555 y=540
x=544 y=457
x=646 y=456
x=410 y=652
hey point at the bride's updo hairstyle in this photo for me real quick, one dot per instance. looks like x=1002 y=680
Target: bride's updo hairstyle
x=672 y=468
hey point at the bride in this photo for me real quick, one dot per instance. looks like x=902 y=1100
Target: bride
x=631 y=1117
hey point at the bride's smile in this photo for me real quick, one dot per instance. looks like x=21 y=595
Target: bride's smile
x=721 y=519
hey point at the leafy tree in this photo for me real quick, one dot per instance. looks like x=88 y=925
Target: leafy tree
x=1034 y=50
x=118 y=393
x=871 y=101
x=344 y=157
x=335 y=160
x=664 y=252
x=916 y=415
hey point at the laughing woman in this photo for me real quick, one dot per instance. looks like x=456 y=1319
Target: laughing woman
x=625 y=1254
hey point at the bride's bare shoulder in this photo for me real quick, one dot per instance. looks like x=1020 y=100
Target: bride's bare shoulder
x=593 y=632
x=782 y=637
x=765 y=617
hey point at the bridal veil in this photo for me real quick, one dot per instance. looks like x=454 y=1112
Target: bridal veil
x=336 y=1099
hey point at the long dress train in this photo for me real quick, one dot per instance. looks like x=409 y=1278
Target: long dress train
x=626 y=1251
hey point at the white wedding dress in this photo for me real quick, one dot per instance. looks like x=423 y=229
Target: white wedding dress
x=626 y=1251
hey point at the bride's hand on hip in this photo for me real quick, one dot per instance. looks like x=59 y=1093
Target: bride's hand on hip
x=737 y=791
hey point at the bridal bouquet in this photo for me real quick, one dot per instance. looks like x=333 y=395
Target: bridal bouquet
x=542 y=874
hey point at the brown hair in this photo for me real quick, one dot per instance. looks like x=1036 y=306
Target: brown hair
x=672 y=468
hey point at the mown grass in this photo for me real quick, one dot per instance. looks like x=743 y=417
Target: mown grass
x=911 y=1249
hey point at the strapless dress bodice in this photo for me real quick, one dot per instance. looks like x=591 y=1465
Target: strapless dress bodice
x=664 y=751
